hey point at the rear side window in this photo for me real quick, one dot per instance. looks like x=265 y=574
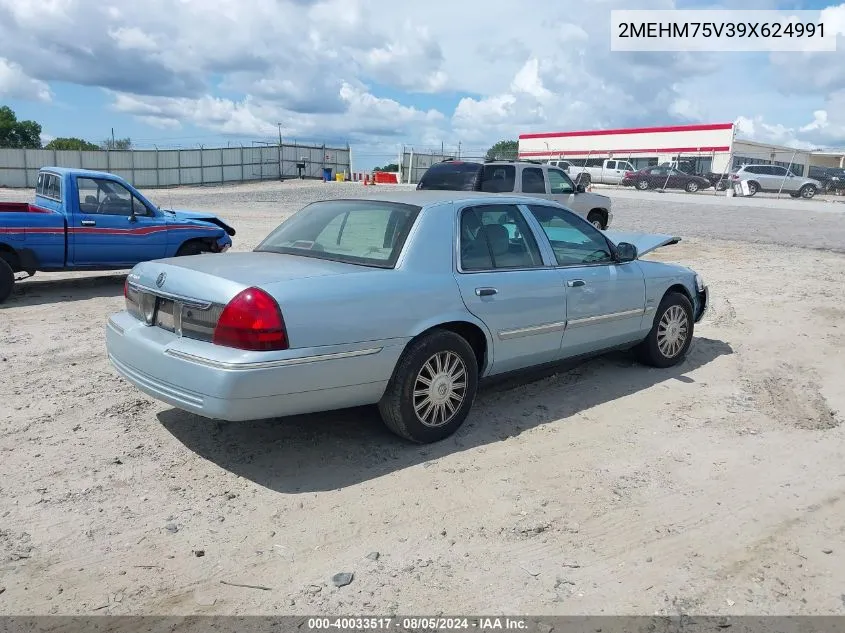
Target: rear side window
x=367 y=232
x=496 y=236
x=533 y=181
x=498 y=178
x=48 y=186
x=451 y=176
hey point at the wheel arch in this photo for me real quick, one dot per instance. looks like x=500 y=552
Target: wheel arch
x=469 y=328
x=10 y=256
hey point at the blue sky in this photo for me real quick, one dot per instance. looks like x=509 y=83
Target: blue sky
x=380 y=75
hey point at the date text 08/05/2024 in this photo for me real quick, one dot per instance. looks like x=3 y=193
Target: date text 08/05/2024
x=417 y=623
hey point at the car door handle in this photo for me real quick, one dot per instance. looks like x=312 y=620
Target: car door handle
x=88 y=223
x=485 y=292
x=576 y=283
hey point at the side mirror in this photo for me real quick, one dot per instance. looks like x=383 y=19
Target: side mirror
x=580 y=188
x=625 y=252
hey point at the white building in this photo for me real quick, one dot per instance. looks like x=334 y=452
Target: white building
x=700 y=148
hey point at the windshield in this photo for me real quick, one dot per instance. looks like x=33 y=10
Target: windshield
x=366 y=232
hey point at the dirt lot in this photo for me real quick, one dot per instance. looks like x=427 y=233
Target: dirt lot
x=715 y=487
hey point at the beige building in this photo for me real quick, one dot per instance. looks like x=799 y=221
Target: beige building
x=701 y=148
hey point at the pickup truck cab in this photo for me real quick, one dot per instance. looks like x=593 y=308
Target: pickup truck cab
x=602 y=171
x=90 y=220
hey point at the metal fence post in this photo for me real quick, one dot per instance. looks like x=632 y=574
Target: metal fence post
x=158 y=169
x=222 y=168
x=132 y=168
x=179 y=167
x=242 y=163
x=25 y=170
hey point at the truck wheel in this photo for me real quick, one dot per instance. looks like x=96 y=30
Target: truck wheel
x=432 y=388
x=191 y=248
x=585 y=179
x=596 y=219
x=7 y=280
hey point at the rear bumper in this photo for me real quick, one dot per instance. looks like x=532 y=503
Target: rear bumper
x=193 y=376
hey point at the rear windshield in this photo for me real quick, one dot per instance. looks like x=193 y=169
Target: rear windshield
x=366 y=232
x=451 y=176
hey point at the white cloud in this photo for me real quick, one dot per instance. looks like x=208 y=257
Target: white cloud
x=16 y=84
x=323 y=67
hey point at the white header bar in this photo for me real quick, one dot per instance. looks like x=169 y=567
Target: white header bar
x=721 y=30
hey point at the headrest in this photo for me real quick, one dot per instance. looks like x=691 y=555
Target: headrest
x=498 y=237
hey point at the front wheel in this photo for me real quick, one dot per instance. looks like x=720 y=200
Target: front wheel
x=7 y=280
x=432 y=388
x=807 y=191
x=691 y=187
x=671 y=335
x=596 y=219
x=191 y=248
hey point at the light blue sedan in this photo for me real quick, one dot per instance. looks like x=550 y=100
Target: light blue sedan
x=405 y=299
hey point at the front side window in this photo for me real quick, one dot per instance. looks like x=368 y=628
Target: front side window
x=365 y=232
x=533 y=181
x=574 y=241
x=559 y=182
x=496 y=236
x=107 y=197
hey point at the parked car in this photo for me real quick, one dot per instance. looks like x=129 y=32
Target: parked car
x=774 y=178
x=90 y=220
x=522 y=177
x=607 y=172
x=405 y=300
x=830 y=179
x=665 y=177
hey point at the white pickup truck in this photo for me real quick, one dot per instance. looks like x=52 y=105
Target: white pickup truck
x=609 y=171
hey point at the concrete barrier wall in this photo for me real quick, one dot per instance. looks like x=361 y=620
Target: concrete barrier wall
x=149 y=168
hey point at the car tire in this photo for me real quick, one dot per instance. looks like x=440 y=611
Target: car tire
x=192 y=247
x=597 y=220
x=673 y=319
x=807 y=191
x=642 y=185
x=7 y=280
x=721 y=185
x=753 y=188
x=407 y=406
x=692 y=187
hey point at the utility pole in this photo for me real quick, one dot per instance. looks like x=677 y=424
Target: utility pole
x=280 y=134
x=459 y=150
x=112 y=138
x=442 y=155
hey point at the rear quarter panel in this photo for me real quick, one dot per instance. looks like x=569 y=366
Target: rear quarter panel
x=41 y=232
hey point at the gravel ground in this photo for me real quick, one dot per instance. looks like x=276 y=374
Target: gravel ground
x=714 y=487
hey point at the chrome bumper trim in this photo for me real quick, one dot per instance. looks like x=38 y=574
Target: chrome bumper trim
x=269 y=364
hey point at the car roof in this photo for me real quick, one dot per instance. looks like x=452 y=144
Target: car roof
x=431 y=197
x=61 y=171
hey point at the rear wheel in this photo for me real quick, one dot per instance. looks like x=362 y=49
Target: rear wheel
x=807 y=191
x=671 y=335
x=7 y=280
x=753 y=187
x=691 y=186
x=432 y=388
x=642 y=185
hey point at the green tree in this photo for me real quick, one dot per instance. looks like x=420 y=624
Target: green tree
x=72 y=143
x=503 y=150
x=18 y=134
x=119 y=143
x=388 y=167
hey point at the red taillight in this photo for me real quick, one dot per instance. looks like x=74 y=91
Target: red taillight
x=126 y=288
x=628 y=174
x=253 y=321
x=734 y=177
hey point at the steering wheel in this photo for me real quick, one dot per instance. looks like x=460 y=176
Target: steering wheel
x=110 y=198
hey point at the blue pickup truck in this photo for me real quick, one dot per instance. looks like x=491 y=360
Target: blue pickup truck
x=90 y=220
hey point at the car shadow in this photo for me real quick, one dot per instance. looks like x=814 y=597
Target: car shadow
x=35 y=291
x=328 y=451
